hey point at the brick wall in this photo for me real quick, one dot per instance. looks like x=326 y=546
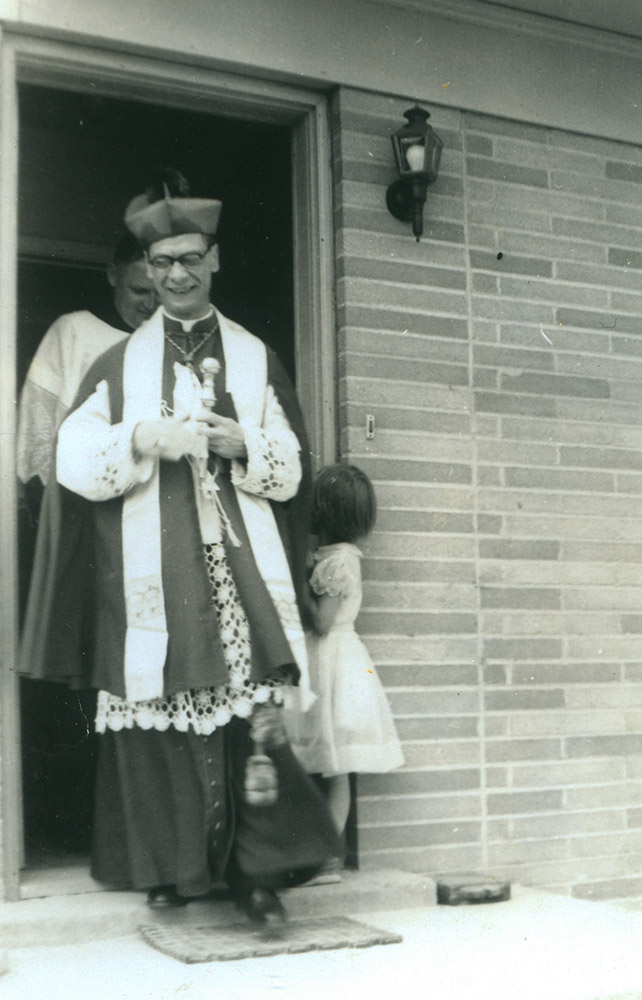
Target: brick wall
x=502 y=360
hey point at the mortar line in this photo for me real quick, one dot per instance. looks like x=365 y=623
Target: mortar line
x=483 y=790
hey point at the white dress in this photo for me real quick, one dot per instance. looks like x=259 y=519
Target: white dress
x=350 y=726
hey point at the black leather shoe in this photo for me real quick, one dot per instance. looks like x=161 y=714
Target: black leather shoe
x=264 y=908
x=163 y=897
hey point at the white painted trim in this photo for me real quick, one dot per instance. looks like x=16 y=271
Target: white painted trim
x=470 y=55
x=62 y=65
x=486 y=14
x=314 y=282
x=10 y=757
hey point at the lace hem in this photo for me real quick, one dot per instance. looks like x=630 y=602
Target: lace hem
x=203 y=709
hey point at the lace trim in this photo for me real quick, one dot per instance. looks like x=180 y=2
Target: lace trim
x=273 y=465
x=116 y=464
x=95 y=458
x=39 y=417
x=286 y=607
x=203 y=709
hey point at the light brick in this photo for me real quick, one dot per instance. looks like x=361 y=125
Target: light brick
x=496 y=777
x=618 y=696
x=520 y=597
x=567 y=773
x=519 y=699
x=509 y=172
x=634 y=817
x=458 y=675
x=603 y=796
x=435 y=702
x=566 y=824
x=604 y=746
x=593 y=320
x=513 y=750
x=522 y=649
x=511 y=263
x=447 y=754
x=497 y=402
x=521 y=852
x=413 y=809
x=544 y=549
x=504 y=803
x=502 y=358
x=433 y=859
x=419 y=782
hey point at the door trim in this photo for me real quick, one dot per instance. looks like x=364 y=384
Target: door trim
x=10 y=757
x=65 y=66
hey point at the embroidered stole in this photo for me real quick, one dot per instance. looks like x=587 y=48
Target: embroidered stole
x=146 y=637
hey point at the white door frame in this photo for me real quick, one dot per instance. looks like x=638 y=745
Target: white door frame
x=66 y=66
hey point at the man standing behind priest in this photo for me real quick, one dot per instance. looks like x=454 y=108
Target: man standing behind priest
x=68 y=349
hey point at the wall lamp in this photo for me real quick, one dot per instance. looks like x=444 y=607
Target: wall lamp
x=417 y=154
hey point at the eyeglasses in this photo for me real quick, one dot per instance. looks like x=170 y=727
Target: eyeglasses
x=189 y=261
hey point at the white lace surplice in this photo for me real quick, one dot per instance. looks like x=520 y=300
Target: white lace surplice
x=272 y=472
x=203 y=709
x=64 y=355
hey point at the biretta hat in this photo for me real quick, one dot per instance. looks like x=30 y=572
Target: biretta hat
x=150 y=221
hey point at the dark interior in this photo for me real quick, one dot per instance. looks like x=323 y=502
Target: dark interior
x=82 y=158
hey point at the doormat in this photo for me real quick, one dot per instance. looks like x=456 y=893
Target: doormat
x=237 y=941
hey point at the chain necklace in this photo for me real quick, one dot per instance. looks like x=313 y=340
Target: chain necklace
x=188 y=356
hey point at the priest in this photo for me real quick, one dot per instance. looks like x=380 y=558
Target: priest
x=172 y=580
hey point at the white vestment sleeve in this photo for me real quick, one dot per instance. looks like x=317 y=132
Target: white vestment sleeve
x=95 y=457
x=273 y=467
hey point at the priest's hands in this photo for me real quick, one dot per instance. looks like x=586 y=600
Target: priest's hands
x=170 y=437
x=225 y=437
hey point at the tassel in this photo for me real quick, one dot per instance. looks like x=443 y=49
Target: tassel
x=261 y=782
x=209 y=489
x=227 y=524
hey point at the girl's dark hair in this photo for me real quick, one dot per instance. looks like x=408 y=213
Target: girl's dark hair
x=344 y=506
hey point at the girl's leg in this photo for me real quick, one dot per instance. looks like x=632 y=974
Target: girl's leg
x=339 y=800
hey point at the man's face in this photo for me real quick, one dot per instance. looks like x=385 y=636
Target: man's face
x=134 y=292
x=183 y=290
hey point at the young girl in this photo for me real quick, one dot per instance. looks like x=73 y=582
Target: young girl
x=350 y=726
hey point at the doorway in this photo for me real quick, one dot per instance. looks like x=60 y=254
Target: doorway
x=61 y=68
x=83 y=157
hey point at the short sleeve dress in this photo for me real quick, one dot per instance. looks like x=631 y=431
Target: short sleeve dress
x=350 y=726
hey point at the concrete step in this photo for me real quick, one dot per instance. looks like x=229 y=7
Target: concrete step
x=92 y=916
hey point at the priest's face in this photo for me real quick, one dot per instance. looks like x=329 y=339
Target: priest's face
x=181 y=269
x=134 y=292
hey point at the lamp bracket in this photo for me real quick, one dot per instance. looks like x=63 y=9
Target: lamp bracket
x=403 y=195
